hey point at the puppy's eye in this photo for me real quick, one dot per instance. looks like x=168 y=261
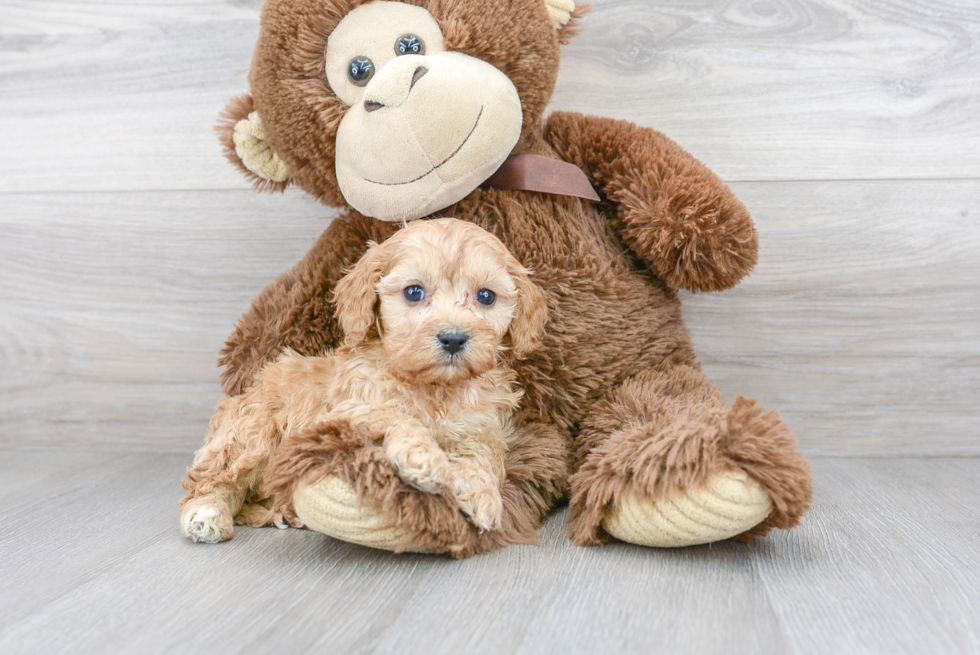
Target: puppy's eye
x=486 y=297
x=360 y=70
x=414 y=293
x=409 y=44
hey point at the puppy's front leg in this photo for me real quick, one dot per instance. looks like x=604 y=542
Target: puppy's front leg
x=416 y=456
x=478 y=470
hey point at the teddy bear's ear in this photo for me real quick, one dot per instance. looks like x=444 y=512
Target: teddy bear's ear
x=566 y=16
x=242 y=135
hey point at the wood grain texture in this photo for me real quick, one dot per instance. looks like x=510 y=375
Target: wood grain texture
x=98 y=95
x=886 y=562
x=114 y=307
x=106 y=95
x=860 y=323
x=790 y=89
x=128 y=248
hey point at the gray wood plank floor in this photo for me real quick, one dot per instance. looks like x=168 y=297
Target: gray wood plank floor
x=888 y=562
x=128 y=248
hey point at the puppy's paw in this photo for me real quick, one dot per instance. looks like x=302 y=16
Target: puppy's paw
x=206 y=522
x=426 y=469
x=481 y=503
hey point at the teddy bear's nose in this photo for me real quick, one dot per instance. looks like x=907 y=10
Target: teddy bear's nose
x=453 y=340
x=416 y=76
x=375 y=104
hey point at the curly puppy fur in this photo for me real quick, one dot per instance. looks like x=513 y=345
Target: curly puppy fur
x=424 y=376
x=616 y=385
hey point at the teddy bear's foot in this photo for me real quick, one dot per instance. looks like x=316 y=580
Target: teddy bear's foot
x=330 y=506
x=729 y=503
x=663 y=461
x=341 y=483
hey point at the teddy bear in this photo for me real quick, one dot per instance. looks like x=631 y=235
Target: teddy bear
x=395 y=111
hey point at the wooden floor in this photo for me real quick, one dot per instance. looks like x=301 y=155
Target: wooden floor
x=888 y=562
x=128 y=248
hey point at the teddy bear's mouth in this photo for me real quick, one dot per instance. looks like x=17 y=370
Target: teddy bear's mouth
x=440 y=164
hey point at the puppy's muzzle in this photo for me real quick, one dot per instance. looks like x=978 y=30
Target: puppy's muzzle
x=453 y=340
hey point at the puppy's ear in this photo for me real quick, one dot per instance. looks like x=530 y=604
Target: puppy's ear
x=531 y=314
x=242 y=136
x=356 y=296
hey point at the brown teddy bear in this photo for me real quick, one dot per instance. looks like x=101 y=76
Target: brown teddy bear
x=397 y=111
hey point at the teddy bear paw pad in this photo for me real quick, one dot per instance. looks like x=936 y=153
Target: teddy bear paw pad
x=330 y=506
x=729 y=503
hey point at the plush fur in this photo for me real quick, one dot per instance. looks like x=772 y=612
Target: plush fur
x=238 y=109
x=667 y=429
x=442 y=417
x=616 y=374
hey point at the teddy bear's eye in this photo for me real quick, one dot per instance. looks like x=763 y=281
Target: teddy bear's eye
x=409 y=44
x=486 y=297
x=360 y=70
x=414 y=293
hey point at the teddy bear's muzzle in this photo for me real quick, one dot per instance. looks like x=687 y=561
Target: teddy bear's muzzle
x=428 y=131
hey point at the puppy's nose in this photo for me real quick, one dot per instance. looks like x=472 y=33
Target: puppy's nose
x=452 y=340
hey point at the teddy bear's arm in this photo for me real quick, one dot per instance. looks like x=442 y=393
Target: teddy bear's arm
x=670 y=209
x=296 y=311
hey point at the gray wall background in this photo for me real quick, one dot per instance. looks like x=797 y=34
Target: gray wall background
x=129 y=247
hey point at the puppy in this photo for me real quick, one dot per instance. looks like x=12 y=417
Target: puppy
x=427 y=318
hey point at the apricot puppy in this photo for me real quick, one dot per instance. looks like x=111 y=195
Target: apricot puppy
x=427 y=316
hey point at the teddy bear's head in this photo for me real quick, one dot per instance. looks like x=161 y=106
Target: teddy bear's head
x=397 y=109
